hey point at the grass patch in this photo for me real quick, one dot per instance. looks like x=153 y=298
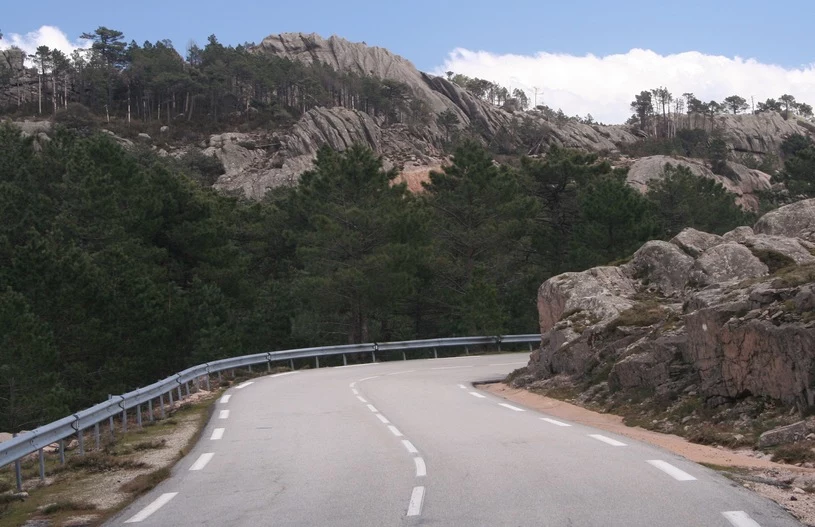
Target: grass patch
x=146 y=482
x=642 y=314
x=67 y=506
x=150 y=445
x=95 y=462
x=775 y=261
x=794 y=275
x=795 y=453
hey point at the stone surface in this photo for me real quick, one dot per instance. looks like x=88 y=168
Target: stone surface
x=695 y=242
x=796 y=220
x=792 y=248
x=727 y=262
x=662 y=264
x=784 y=435
x=738 y=235
x=749 y=183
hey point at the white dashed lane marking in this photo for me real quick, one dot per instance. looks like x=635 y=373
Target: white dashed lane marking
x=382 y=418
x=225 y=399
x=362 y=399
x=607 y=440
x=217 y=434
x=243 y=385
x=223 y=414
x=513 y=408
x=409 y=446
x=202 y=461
x=554 y=421
x=476 y=394
x=158 y=503
x=372 y=408
x=416 y=499
x=740 y=519
x=421 y=468
x=677 y=474
x=395 y=431
x=462 y=386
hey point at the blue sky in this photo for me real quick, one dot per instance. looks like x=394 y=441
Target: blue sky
x=425 y=31
x=525 y=44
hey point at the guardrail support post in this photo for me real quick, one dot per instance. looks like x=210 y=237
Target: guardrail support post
x=209 y=388
x=219 y=377
x=250 y=368
x=179 y=393
x=404 y=357
x=150 y=410
x=187 y=389
x=18 y=475
x=373 y=356
x=268 y=365
x=42 y=464
x=124 y=420
x=170 y=393
x=435 y=353
x=97 y=437
x=161 y=405
x=112 y=427
x=530 y=347
x=344 y=360
x=61 y=451
x=466 y=350
x=138 y=415
x=291 y=363
x=81 y=439
x=317 y=361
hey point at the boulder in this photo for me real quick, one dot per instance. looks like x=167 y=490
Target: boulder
x=662 y=264
x=144 y=137
x=695 y=242
x=796 y=220
x=727 y=262
x=784 y=435
x=164 y=129
x=790 y=248
x=602 y=291
x=738 y=235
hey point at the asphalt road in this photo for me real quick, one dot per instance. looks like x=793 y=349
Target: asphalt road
x=413 y=443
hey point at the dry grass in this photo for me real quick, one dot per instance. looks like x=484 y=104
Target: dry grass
x=145 y=482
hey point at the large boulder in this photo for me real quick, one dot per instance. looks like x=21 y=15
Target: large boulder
x=796 y=220
x=661 y=264
x=602 y=291
x=739 y=234
x=789 y=248
x=727 y=262
x=695 y=242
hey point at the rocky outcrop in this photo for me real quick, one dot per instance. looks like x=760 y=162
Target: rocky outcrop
x=759 y=134
x=704 y=315
x=746 y=186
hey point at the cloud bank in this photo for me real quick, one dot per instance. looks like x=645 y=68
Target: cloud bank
x=605 y=86
x=50 y=36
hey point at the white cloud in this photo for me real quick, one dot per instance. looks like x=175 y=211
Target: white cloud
x=50 y=36
x=605 y=86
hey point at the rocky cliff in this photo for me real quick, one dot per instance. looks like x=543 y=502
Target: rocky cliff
x=720 y=318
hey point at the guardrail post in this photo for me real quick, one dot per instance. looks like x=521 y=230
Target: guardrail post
x=97 y=437
x=530 y=347
x=42 y=464
x=187 y=389
x=373 y=353
x=180 y=397
x=435 y=353
x=404 y=357
x=170 y=393
x=344 y=360
x=18 y=472
x=124 y=415
x=291 y=363
x=250 y=368
x=61 y=451
x=466 y=350
x=150 y=410
x=317 y=360
x=111 y=426
x=81 y=439
x=268 y=365
x=233 y=372
x=220 y=379
x=209 y=388
x=161 y=405
x=138 y=415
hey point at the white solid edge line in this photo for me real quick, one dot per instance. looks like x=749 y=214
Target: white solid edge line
x=225 y=399
x=217 y=434
x=508 y=364
x=476 y=394
x=361 y=399
x=372 y=408
x=452 y=367
x=462 y=386
x=664 y=466
x=223 y=414
x=395 y=431
x=353 y=384
x=409 y=446
x=401 y=372
x=554 y=421
x=514 y=408
x=416 y=499
x=607 y=440
x=421 y=468
x=368 y=378
x=202 y=461
x=354 y=391
x=243 y=385
x=382 y=418
x=158 y=503
x=284 y=373
x=740 y=519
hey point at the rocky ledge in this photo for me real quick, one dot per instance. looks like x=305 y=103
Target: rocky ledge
x=704 y=327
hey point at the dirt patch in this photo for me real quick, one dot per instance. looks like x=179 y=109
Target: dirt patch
x=790 y=486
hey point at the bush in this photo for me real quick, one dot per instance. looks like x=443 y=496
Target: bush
x=76 y=117
x=795 y=453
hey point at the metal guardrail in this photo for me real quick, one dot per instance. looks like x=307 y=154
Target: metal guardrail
x=13 y=450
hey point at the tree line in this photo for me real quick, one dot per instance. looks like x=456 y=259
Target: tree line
x=151 y=82
x=119 y=268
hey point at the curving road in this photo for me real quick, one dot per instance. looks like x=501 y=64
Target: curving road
x=412 y=443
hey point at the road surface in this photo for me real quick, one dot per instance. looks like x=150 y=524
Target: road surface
x=413 y=443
